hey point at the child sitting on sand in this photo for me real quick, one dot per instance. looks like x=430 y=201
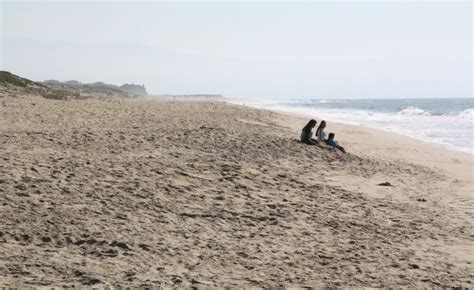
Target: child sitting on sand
x=306 y=133
x=333 y=143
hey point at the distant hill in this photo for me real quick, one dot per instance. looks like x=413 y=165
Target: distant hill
x=126 y=90
x=72 y=89
x=134 y=89
x=73 y=83
x=15 y=85
x=12 y=80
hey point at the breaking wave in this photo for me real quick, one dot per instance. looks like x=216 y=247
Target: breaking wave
x=414 y=111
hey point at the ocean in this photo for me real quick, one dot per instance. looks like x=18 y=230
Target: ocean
x=445 y=122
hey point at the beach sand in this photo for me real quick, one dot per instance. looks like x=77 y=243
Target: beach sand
x=148 y=193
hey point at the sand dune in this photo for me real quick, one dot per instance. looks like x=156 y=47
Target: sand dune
x=148 y=193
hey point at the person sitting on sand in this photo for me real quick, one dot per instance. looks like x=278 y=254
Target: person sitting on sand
x=307 y=133
x=333 y=143
x=320 y=135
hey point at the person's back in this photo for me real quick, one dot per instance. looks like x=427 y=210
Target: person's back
x=304 y=135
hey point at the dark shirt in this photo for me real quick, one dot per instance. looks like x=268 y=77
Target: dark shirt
x=306 y=136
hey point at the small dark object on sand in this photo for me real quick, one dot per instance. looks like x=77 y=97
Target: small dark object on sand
x=413 y=266
x=421 y=199
x=120 y=245
x=386 y=183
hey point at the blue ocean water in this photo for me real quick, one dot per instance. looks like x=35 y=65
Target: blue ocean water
x=446 y=122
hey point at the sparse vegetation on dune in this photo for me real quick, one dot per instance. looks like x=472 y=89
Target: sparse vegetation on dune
x=52 y=89
x=99 y=89
x=9 y=79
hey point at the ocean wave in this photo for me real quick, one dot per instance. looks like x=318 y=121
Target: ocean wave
x=467 y=115
x=414 y=111
x=450 y=130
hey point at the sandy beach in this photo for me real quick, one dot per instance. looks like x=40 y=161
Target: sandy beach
x=208 y=194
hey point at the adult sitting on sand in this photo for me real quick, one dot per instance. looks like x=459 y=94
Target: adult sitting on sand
x=307 y=133
x=333 y=143
x=320 y=135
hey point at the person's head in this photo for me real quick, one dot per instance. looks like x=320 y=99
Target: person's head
x=322 y=125
x=311 y=124
x=331 y=136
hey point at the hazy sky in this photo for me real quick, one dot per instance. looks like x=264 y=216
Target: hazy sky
x=318 y=49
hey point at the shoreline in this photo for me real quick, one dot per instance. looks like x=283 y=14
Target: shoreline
x=453 y=162
x=382 y=144
x=435 y=144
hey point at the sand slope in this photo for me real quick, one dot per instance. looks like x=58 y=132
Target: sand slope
x=144 y=193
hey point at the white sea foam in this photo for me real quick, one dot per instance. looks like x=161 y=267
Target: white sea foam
x=414 y=111
x=467 y=115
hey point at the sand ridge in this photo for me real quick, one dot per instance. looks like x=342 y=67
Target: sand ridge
x=147 y=193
